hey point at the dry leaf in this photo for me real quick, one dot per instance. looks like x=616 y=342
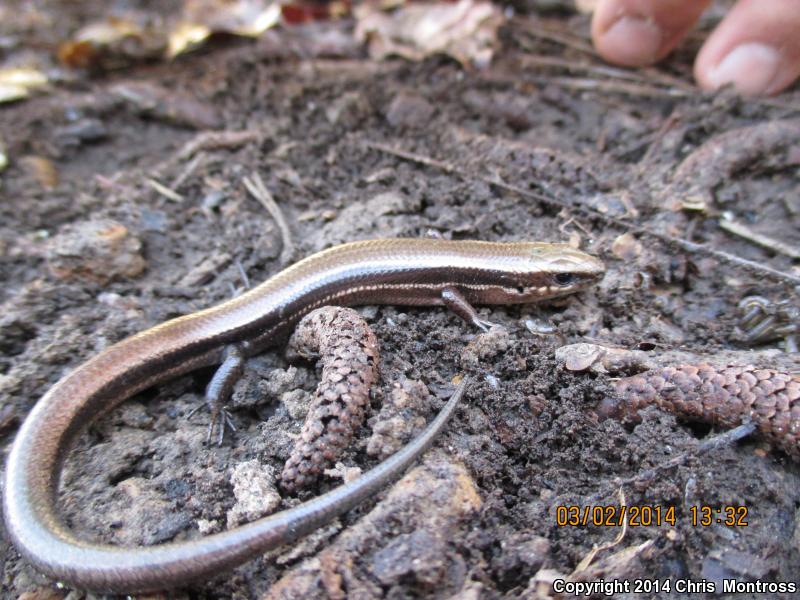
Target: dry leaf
x=120 y=40
x=466 y=30
x=185 y=37
x=17 y=83
x=249 y=18
x=113 y=42
x=201 y=18
x=41 y=169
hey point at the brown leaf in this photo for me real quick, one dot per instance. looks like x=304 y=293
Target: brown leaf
x=465 y=30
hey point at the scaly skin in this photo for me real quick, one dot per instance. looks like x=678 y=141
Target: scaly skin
x=391 y=271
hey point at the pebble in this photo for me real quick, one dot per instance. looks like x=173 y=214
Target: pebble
x=409 y=110
x=255 y=491
x=99 y=251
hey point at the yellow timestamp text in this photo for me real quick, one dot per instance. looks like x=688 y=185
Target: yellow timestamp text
x=731 y=516
x=648 y=515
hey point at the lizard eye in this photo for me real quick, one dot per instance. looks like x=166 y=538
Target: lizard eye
x=564 y=279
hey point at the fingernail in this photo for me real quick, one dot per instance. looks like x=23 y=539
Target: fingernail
x=631 y=41
x=750 y=67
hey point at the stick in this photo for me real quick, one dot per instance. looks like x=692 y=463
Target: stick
x=259 y=191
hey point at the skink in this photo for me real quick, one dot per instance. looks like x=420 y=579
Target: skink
x=390 y=271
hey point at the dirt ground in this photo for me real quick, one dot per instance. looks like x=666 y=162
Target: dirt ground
x=546 y=144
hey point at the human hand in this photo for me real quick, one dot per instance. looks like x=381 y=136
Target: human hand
x=756 y=47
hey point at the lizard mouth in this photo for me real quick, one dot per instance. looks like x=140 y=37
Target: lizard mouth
x=557 y=285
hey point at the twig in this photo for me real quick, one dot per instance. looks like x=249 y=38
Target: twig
x=259 y=191
x=744 y=232
x=602 y=70
x=579 y=43
x=726 y=438
x=164 y=190
x=667 y=79
x=723 y=256
x=242 y=274
x=204 y=141
x=537 y=29
x=657 y=137
x=539 y=197
x=215 y=140
x=589 y=558
x=538 y=61
x=620 y=87
x=190 y=168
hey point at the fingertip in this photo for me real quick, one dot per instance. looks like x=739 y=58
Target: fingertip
x=630 y=41
x=755 y=49
x=639 y=32
x=750 y=68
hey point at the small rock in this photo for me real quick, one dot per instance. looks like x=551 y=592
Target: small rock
x=486 y=346
x=408 y=538
x=153 y=220
x=391 y=203
x=297 y=403
x=369 y=312
x=626 y=247
x=207 y=526
x=521 y=553
x=133 y=414
x=402 y=414
x=343 y=472
x=580 y=356
x=213 y=200
x=665 y=331
x=177 y=489
x=388 y=213
x=348 y=110
x=420 y=554
x=255 y=491
x=170 y=526
x=280 y=381
x=147 y=518
x=83 y=131
x=540 y=326
x=409 y=110
x=116 y=301
x=98 y=251
x=9 y=415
